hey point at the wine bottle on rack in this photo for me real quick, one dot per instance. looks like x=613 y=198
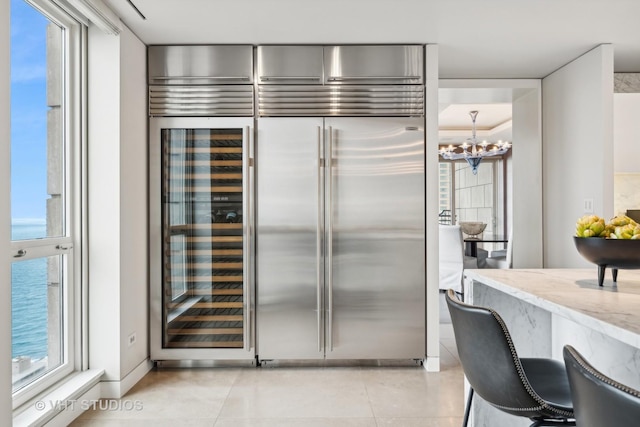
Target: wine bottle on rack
x=231 y=216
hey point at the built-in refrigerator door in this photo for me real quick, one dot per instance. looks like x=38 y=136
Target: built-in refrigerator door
x=289 y=226
x=375 y=238
x=201 y=183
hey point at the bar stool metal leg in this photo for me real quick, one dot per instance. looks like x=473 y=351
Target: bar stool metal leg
x=467 y=410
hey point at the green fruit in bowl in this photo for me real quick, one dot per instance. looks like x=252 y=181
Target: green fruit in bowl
x=608 y=231
x=626 y=232
x=590 y=226
x=621 y=220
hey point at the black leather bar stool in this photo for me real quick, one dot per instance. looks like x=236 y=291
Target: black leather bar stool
x=534 y=388
x=598 y=400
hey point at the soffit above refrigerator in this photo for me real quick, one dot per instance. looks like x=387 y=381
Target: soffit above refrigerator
x=353 y=80
x=201 y=80
x=347 y=64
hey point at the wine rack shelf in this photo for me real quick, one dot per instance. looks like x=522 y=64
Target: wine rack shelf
x=203 y=238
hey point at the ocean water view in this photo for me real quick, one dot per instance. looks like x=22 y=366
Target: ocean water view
x=29 y=295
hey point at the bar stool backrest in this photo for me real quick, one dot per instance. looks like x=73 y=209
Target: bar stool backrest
x=597 y=399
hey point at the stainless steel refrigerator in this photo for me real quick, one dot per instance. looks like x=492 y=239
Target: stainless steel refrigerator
x=340 y=230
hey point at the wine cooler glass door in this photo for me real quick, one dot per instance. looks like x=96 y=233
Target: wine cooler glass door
x=204 y=302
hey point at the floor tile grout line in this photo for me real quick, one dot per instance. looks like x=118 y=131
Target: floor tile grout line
x=233 y=383
x=366 y=390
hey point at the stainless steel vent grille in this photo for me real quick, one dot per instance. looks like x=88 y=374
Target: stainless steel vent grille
x=340 y=100
x=228 y=100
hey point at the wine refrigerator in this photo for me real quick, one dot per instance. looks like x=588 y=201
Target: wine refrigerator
x=201 y=238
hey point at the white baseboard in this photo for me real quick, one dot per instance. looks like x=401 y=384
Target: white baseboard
x=117 y=389
x=432 y=364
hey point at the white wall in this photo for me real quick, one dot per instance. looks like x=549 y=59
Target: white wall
x=104 y=202
x=577 y=150
x=431 y=209
x=118 y=212
x=134 y=281
x=526 y=183
x=5 y=218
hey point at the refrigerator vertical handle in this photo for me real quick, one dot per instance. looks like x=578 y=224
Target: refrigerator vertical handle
x=329 y=250
x=247 y=172
x=319 y=239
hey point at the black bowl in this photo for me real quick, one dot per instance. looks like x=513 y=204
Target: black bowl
x=615 y=253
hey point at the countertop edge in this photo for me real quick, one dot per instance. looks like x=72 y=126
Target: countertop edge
x=573 y=310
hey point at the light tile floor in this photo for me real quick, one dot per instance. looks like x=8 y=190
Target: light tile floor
x=294 y=396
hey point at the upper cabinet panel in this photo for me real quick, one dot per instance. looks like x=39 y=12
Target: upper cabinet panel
x=289 y=64
x=373 y=64
x=200 y=65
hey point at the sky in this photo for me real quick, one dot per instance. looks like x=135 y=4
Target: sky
x=28 y=112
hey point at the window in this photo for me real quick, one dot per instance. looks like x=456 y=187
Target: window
x=445 y=192
x=473 y=197
x=45 y=71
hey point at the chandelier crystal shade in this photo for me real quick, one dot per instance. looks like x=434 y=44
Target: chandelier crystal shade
x=473 y=151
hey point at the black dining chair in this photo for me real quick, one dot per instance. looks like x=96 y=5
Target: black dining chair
x=535 y=388
x=599 y=400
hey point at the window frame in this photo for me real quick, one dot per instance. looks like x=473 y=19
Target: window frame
x=73 y=48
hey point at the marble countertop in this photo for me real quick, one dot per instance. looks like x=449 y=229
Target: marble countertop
x=613 y=309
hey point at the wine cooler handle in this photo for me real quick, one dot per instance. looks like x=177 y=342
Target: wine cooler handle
x=319 y=239
x=247 y=150
x=329 y=257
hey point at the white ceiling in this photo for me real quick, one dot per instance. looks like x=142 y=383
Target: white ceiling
x=492 y=123
x=456 y=117
x=494 y=114
x=476 y=38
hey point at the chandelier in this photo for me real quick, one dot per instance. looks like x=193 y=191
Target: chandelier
x=472 y=151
